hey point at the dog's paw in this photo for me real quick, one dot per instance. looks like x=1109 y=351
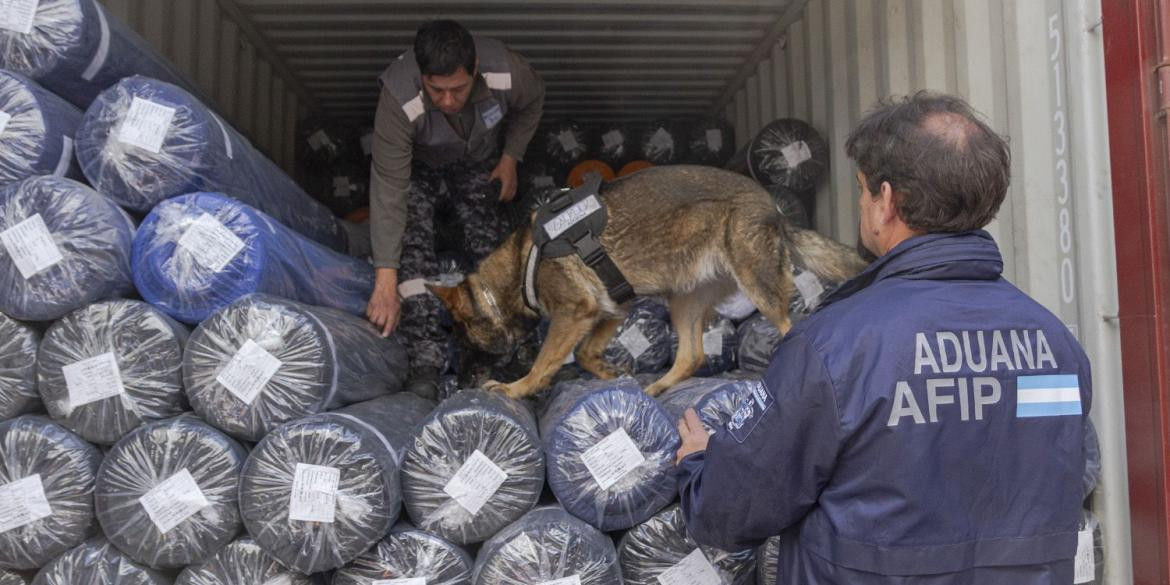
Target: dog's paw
x=494 y=386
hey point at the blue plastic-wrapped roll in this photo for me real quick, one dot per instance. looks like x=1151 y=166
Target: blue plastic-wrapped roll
x=18 y=368
x=197 y=253
x=263 y=361
x=766 y=565
x=714 y=399
x=37 y=130
x=242 y=562
x=406 y=555
x=98 y=562
x=641 y=344
x=548 y=546
x=144 y=141
x=758 y=339
x=475 y=466
x=610 y=450
x=660 y=551
x=62 y=246
x=720 y=343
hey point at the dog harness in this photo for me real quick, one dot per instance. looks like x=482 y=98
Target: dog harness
x=572 y=222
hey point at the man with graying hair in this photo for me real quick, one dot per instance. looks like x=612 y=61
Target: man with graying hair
x=926 y=425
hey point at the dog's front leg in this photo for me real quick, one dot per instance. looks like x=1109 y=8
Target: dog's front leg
x=564 y=333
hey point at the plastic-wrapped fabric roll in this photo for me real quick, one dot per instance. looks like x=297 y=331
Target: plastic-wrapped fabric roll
x=199 y=252
x=790 y=206
x=610 y=450
x=10 y=578
x=263 y=361
x=614 y=144
x=660 y=547
x=641 y=344
x=242 y=562
x=714 y=399
x=720 y=342
x=475 y=466
x=98 y=562
x=662 y=143
x=37 y=128
x=1092 y=474
x=710 y=141
x=318 y=492
x=18 y=368
x=50 y=471
x=1090 y=573
x=548 y=545
x=167 y=494
x=737 y=307
x=325 y=142
x=758 y=339
x=654 y=305
x=566 y=143
x=108 y=368
x=343 y=187
x=144 y=141
x=62 y=246
x=766 y=565
x=405 y=554
x=789 y=153
x=810 y=290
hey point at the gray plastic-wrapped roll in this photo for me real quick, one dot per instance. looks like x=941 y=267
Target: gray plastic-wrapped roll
x=263 y=361
x=663 y=142
x=710 y=141
x=720 y=342
x=37 y=128
x=62 y=246
x=758 y=339
x=46 y=483
x=566 y=143
x=105 y=369
x=475 y=466
x=790 y=206
x=641 y=344
x=98 y=562
x=615 y=144
x=167 y=494
x=660 y=551
x=714 y=399
x=18 y=368
x=790 y=153
x=10 y=578
x=242 y=562
x=767 y=562
x=610 y=450
x=318 y=492
x=408 y=554
x=548 y=546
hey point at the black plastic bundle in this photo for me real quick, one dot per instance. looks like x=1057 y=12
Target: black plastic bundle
x=344 y=186
x=663 y=142
x=642 y=343
x=659 y=548
x=18 y=368
x=105 y=369
x=714 y=399
x=710 y=141
x=46 y=476
x=10 y=578
x=758 y=339
x=167 y=494
x=566 y=143
x=475 y=466
x=790 y=206
x=737 y=307
x=766 y=565
x=405 y=554
x=789 y=153
x=242 y=562
x=548 y=546
x=325 y=141
x=98 y=562
x=615 y=144
x=720 y=342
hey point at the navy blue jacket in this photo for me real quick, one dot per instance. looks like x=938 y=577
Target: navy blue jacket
x=924 y=427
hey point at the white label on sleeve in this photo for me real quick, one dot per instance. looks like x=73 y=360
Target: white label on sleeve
x=318 y=140
x=612 y=458
x=31 y=246
x=796 y=153
x=714 y=140
x=612 y=138
x=634 y=341
x=23 y=502
x=173 y=501
x=146 y=124
x=809 y=287
x=211 y=243
x=248 y=372
x=568 y=140
x=476 y=482
x=367 y=141
x=694 y=569
x=314 y=493
x=1085 y=567
x=713 y=342
x=402 y=581
x=4 y=118
x=93 y=379
x=573 y=580
x=18 y=15
x=571 y=216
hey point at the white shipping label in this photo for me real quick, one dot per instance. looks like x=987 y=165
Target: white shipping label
x=573 y=580
x=476 y=482
x=568 y=140
x=796 y=153
x=341 y=187
x=809 y=287
x=211 y=243
x=18 y=15
x=714 y=140
x=318 y=140
x=634 y=341
x=1084 y=565
x=146 y=124
x=543 y=181
x=612 y=138
x=694 y=569
x=4 y=118
x=173 y=501
x=571 y=216
x=314 y=493
x=662 y=140
x=248 y=372
x=713 y=342
x=402 y=581
x=23 y=502
x=612 y=458
x=31 y=246
x=93 y=379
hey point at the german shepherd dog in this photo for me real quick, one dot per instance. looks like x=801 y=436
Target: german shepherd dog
x=691 y=234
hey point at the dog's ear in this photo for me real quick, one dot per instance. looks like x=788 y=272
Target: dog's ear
x=452 y=297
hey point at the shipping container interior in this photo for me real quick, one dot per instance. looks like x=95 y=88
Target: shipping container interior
x=1034 y=68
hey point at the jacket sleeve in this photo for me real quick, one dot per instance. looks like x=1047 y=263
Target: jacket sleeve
x=757 y=480
x=526 y=107
x=389 y=180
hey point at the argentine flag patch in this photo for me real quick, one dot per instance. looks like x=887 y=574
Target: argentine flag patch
x=1038 y=396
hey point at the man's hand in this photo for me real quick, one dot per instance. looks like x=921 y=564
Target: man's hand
x=385 y=308
x=505 y=171
x=693 y=433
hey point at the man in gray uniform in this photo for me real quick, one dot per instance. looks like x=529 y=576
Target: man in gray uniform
x=436 y=143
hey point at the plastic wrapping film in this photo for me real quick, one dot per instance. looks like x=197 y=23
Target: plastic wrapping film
x=263 y=361
x=737 y=307
x=768 y=561
x=324 y=141
x=566 y=143
x=655 y=551
x=144 y=141
x=714 y=399
x=710 y=141
x=615 y=144
x=1092 y=474
x=610 y=450
x=408 y=553
x=18 y=368
x=318 y=492
x=108 y=368
x=475 y=466
x=642 y=343
x=37 y=129
x=344 y=187
x=97 y=562
x=1089 y=565
x=199 y=252
x=62 y=246
x=546 y=546
x=720 y=342
x=810 y=291
x=789 y=153
x=48 y=473
x=663 y=142
x=167 y=494
x=242 y=562
x=790 y=206
x=10 y=578
x=758 y=339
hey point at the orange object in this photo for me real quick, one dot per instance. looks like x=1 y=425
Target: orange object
x=634 y=166
x=358 y=216
x=577 y=175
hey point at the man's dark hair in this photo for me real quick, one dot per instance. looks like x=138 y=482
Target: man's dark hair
x=441 y=47
x=948 y=169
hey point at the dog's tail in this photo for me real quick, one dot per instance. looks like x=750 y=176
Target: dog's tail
x=827 y=258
